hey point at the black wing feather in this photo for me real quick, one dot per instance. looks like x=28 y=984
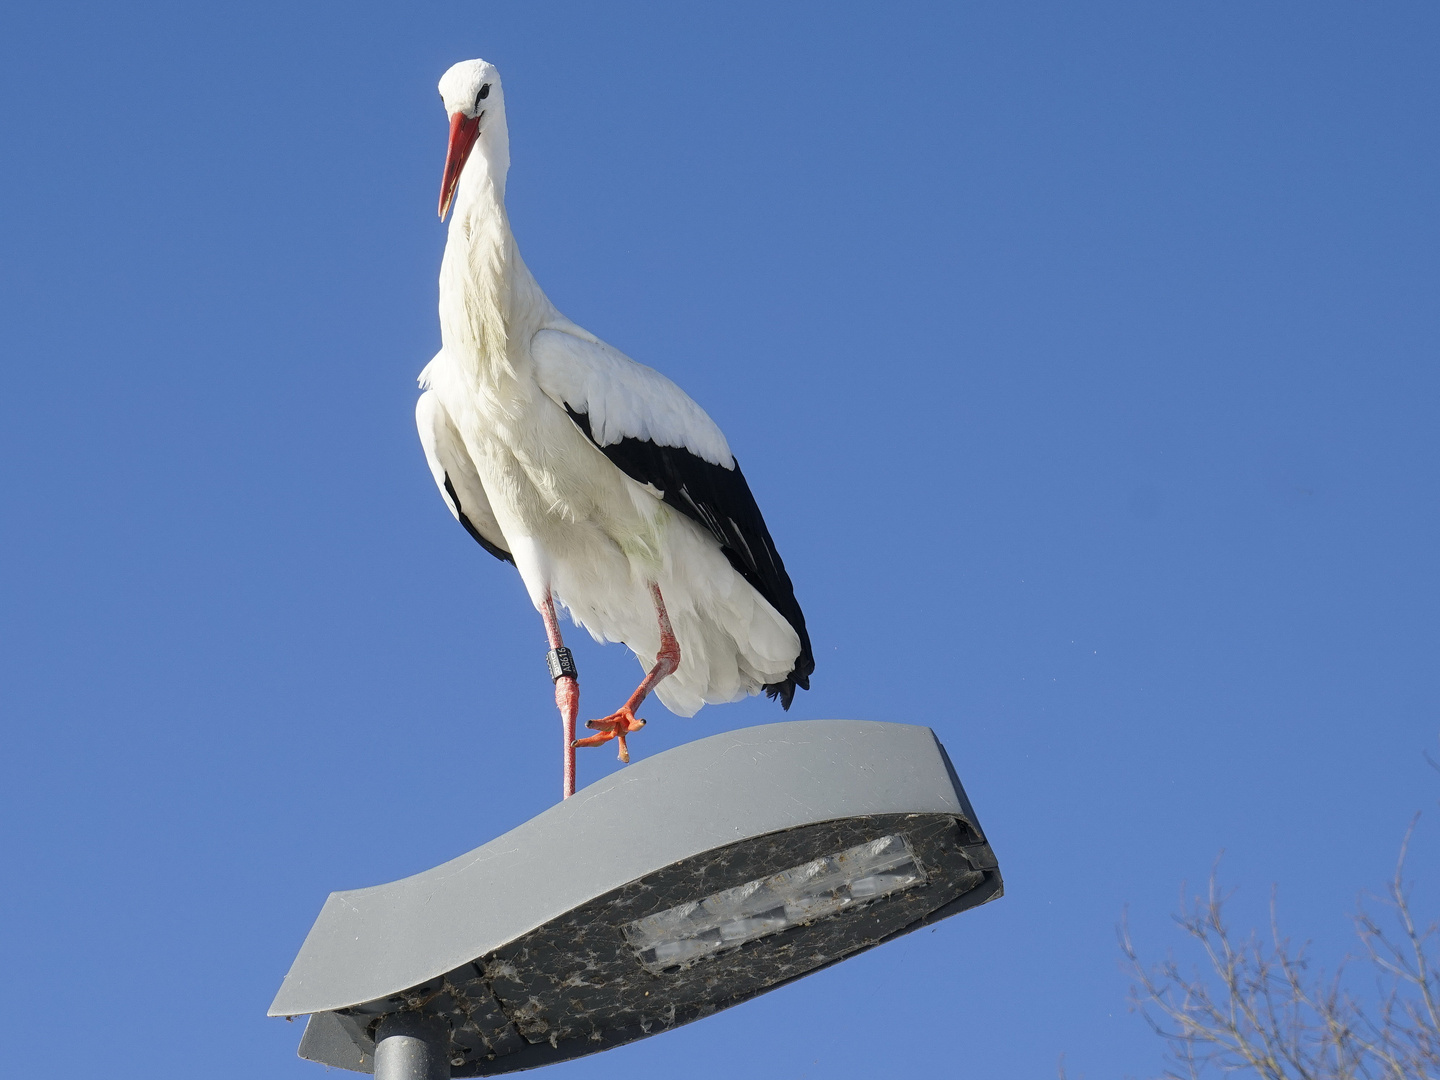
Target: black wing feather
x=494 y=549
x=720 y=501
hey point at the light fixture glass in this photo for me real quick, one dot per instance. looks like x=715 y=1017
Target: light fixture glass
x=802 y=894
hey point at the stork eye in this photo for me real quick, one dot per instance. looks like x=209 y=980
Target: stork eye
x=483 y=94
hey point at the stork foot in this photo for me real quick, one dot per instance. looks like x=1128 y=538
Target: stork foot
x=615 y=726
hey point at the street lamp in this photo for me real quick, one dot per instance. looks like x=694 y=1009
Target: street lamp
x=681 y=885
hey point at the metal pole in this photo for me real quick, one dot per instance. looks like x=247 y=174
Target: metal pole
x=412 y=1046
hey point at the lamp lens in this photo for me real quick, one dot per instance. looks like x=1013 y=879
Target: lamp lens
x=825 y=886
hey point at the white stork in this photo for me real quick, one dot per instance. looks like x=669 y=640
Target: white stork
x=611 y=492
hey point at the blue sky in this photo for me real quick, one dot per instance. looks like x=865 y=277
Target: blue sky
x=1081 y=356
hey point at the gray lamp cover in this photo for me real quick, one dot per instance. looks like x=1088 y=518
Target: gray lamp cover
x=525 y=951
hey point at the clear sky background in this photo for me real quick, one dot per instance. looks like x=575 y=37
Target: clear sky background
x=1082 y=357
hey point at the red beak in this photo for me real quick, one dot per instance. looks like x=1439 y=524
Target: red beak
x=463 y=133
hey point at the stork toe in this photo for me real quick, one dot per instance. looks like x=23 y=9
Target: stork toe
x=615 y=726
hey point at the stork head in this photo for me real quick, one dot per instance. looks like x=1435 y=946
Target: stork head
x=476 y=105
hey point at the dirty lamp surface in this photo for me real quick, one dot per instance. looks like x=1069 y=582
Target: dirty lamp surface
x=684 y=884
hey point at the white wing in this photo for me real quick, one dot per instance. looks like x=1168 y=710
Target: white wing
x=456 y=477
x=623 y=399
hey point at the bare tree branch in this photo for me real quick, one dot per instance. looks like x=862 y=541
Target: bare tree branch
x=1258 y=1011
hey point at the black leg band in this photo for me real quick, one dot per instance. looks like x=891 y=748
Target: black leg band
x=561 y=664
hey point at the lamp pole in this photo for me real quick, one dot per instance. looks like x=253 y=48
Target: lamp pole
x=412 y=1046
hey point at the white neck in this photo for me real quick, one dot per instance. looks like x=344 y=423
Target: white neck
x=486 y=293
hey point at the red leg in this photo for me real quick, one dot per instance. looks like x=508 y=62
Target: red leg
x=567 y=696
x=621 y=723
